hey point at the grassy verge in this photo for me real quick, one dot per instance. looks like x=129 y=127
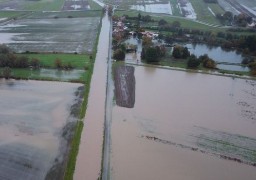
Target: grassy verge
x=48 y=60
x=11 y=14
x=74 y=151
x=70 y=169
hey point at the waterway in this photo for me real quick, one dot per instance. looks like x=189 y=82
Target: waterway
x=88 y=164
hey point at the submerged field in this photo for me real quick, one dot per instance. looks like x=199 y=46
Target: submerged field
x=36 y=125
x=186 y=126
x=51 y=35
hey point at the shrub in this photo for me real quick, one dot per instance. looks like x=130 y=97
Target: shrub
x=119 y=55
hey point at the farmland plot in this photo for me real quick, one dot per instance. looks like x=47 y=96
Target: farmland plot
x=51 y=35
x=49 y=5
x=36 y=124
x=76 y=5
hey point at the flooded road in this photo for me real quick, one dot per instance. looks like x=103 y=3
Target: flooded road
x=185 y=126
x=88 y=164
x=34 y=128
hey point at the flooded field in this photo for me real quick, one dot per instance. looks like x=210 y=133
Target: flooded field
x=154 y=8
x=50 y=35
x=70 y=5
x=35 y=128
x=31 y=4
x=185 y=126
x=219 y=55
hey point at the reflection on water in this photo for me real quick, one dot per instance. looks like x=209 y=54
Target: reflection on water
x=32 y=116
x=185 y=126
x=216 y=53
x=219 y=55
x=233 y=67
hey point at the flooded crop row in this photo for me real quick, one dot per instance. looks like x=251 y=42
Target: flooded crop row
x=36 y=127
x=185 y=126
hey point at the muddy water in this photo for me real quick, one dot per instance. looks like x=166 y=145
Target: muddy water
x=194 y=121
x=88 y=165
x=32 y=117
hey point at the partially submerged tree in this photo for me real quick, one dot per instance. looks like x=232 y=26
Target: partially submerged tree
x=180 y=52
x=6 y=73
x=193 y=61
x=207 y=62
x=119 y=55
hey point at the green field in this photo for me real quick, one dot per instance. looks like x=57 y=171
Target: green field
x=11 y=14
x=185 y=23
x=44 y=5
x=79 y=61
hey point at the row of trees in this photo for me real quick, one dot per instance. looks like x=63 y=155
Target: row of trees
x=240 y=20
x=180 y=52
x=9 y=59
x=194 y=62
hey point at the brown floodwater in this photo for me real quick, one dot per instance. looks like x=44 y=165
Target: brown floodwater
x=88 y=164
x=33 y=115
x=185 y=126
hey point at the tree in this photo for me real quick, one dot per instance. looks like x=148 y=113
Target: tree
x=209 y=63
x=177 y=52
x=6 y=72
x=252 y=67
x=151 y=55
x=162 y=22
x=176 y=24
x=180 y=52
x=119 y=55
x=193 y=62
x=4 y=49
x=35 y=63
x=185 y=53
x=58 y=63
x=21 y=62
x=147 y=41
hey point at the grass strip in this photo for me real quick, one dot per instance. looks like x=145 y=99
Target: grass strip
x=79 y=61
x=74 y=151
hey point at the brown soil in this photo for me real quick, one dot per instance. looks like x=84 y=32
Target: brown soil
x=124 y=86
